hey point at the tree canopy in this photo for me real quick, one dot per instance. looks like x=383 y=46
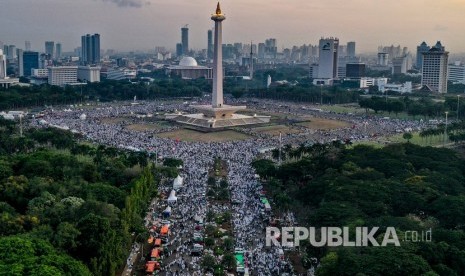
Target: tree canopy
x=405 y=186
x=68 y=208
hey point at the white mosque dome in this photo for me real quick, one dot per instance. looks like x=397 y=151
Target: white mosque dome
x=188 y=61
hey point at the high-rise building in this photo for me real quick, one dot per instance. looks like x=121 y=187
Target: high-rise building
x=50 y=49
x=185 y=40
x=210 y=44
x=434 y=68
x=84 y=44
x=62 y=75
x=27 y=45
x=5 y=50
x=19 y=53
x=11 y=52
x=393 y=51
x=43 y=62
x=456 y=72
x=271 y=48
x=351 y=49
x=96 y=48
x=355 y=70
x=327 y=68
x=30 y=61
x=251 y=61
x=400 y=65
x=422 y=48
x=88 y=74
x=178 y=49
x=3 y=58
x=58 y=51
x=342 y=50
x=261 y=50
x=90 y=49
x=383 y=59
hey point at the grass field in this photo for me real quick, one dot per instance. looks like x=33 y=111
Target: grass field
x=417 y=140
x=189 y=135
x=144 y=127
x=436 y=141
x=276 y=129
x=320 y=123
x=354 y=109
x=274 y=115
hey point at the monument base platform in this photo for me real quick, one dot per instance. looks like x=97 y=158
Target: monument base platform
x=224 y=112
x=216 y=118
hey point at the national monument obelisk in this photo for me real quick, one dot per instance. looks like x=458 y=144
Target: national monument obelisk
x=218 y=115
x=217 y=97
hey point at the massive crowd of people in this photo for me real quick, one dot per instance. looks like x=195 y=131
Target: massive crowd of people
x=247 y=215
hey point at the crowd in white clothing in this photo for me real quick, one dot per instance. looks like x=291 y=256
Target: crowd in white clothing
x=249 y=220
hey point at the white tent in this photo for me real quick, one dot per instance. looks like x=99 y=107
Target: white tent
x=198 y=219
x=172 y=198
x=8 y=116
x=167 y=211
x=177 y=182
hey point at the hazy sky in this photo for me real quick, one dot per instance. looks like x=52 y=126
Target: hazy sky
x=144 y=24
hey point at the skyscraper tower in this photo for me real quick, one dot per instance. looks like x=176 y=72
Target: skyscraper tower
x=434 y=68
x=2 y=65
x=351 y=49
x=27 y=45
x=217 y=99
x=11 y=52
x=20 y=53
x=210 y=44
x=422 y=48
x=58 y=51
x=327 y=68
x=178 y=49
x=84 y=43
x=185 y=40
x=251 y=60
x=90 y=49
x=96 y=48
x=30 y=61
x=50 y=49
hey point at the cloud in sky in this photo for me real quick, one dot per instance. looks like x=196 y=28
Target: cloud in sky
x=129 y=3
x=441 y=28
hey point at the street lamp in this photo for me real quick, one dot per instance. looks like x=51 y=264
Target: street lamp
x=458 y=104
x=445 y=130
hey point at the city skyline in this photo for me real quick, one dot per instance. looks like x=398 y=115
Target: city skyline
x=142 y=25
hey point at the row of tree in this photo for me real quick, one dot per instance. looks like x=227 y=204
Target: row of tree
x=455 y=132
x=107 y=90
x=425 y=107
